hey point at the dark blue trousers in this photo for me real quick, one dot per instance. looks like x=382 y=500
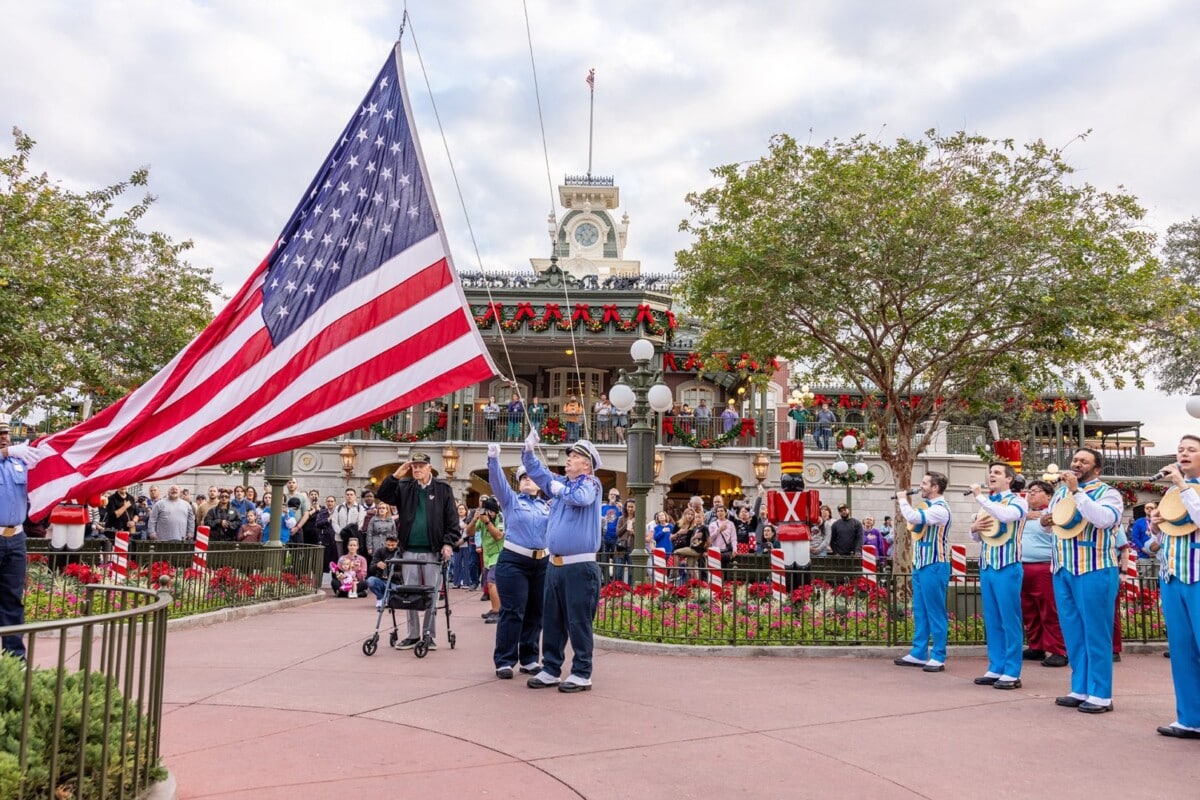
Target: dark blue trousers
x=12 y=589
x=572 y=594
x=521 y=584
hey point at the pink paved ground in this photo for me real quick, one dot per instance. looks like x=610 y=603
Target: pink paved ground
x=285 y=705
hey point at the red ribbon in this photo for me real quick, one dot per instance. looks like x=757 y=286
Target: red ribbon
x=494 y=311
x=693 y=362
x=645 y=314
x=748 y=428
x=524 y=311
x=818 y=399
x=611 y=315
x=1083 y=407
x=844 y=401
x=552 y=313
x=670 y=319
x=669 y=362
x=582 y=312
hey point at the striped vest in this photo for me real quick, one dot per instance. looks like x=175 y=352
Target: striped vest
x=1094 y=548
x=998 y=557
x=1180 y=555
x=934 y=548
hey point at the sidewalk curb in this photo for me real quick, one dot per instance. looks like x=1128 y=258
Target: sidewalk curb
x=241 y=612
x=166 y=789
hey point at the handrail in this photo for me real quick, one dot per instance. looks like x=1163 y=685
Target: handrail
x=162 y=597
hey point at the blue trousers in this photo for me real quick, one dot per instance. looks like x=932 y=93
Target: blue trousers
x=12 y=589
x=1181 y=608
x=930 y=620
x=521 y=584
x=572 y=594
x=1001 y=590
x=1085 y=614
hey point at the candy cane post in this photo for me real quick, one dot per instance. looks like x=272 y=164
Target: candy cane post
x=958 y=563
x=200 y=554
x=121 y=556
x=1130 y=576
x=658 y=557
x=716 y=579
x=870 y=563
x=778 y=576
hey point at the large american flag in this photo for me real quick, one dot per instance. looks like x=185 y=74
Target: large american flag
x=355 y=314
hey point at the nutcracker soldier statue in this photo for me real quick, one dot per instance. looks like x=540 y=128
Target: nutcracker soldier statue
x=793 y=511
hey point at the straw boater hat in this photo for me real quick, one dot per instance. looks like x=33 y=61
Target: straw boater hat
x=1175 y=518
x=989 y=534
x=1068 y=522
x=918 y=530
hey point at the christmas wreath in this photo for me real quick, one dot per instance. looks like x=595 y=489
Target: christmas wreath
x=841 y=435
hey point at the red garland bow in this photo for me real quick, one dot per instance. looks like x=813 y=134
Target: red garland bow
x=524 y=311
x=669 y=362
x=582 y=312
x=748 y=428
x=611 y=315
x=693 y=362
x=1083 y=407
x=844 y=401
x=494 y=311
x=645 y=314
x=670 y=319
x=818 y=399
x=552 y=313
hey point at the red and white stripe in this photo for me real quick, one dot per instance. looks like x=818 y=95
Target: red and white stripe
x=200 y=554
x=870 y=563
x=716 y=578
x=121 y=557
x=958 y=563
x=1130 y=573
x=778 y=577
x=658 y=558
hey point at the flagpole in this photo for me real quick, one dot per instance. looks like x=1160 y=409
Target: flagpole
x=591 y=81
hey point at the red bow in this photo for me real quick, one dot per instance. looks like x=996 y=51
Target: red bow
x=844 y=400
x=669 y=361
x=693 y=362
x=611 y=315
x=645 y=314
x=552 y=313
x=494 y=311
x=582 y=312
x=524 y=311
x=1083 y=407
x=748 y=428
x=670 y=319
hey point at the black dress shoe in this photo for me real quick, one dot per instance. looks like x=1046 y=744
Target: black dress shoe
x=985 y=681
x=537 y=683
x=934 y=668
x=1178 y=733
x=1166 y=653
x=567 y=687
x=1116 y=657
x=1013 y=684
x=1094 y=708
x=504 y=673
x=902 y=662
x=1054 y=660
x=1067 y=701
x=1033 y=655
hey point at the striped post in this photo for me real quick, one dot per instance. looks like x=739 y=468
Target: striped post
x=870 y=563
x=200 y=554
x=121 y=557
x=958 y=563
x=716 y=579
x=1130 y=573
x=778 y=577
x=658 y=558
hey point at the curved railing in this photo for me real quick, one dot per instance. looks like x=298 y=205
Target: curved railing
x=89 y=726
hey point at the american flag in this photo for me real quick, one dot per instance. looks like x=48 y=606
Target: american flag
x=591 y=79
x=355 y=314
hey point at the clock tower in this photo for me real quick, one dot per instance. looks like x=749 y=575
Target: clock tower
x=588 y=240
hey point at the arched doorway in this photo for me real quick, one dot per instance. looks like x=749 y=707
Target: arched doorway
x=705 y=483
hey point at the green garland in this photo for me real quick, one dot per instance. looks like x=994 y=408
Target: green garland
x=1129 y=490
x=689 y=439
x=383 y=432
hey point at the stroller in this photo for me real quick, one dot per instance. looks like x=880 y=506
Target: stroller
x=398 y=596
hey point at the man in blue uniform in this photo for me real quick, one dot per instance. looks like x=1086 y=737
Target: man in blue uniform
x=520 y=570
x=15 y=463
x=573 y=578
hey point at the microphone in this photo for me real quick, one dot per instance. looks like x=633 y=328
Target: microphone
x=911 y=492
x=968 y=492
x=1162 y=473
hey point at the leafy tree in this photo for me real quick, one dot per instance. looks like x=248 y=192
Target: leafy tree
x=1174 y=348
x=924 y=269
x=91 y=304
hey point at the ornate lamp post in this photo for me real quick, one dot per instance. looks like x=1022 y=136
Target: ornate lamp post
x=278 y=472
x=638 y=392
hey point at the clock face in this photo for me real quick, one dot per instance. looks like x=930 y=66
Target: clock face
x=587 y=234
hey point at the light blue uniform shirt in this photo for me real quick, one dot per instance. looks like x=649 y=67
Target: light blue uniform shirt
x=1037 y=543
x=575 y=514
x=14 y=492
x=525 y=517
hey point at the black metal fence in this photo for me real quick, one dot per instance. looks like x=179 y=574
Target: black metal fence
x=831 y=603
x=87 y=727
x=237 y=574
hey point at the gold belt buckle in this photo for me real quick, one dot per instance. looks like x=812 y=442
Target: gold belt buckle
x=538 y=555
x=556 y=561
x=8 y=532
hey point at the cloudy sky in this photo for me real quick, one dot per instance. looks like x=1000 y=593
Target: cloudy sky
x=234 y=103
